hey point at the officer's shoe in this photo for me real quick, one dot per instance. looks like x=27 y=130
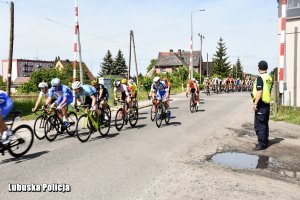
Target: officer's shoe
x=258 y=148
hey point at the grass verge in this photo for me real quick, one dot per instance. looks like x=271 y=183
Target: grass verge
x=286 y=113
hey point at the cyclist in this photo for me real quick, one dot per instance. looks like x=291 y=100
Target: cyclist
x=192 y=87
x=132 y=88
x=168 y=84
x=160 y=91
x=121 y=87
x=238 y=84
x=43 y=93
x=207 y=85
x=90 y=95
x=6 y=104
x=64 y=97
x=102 y=94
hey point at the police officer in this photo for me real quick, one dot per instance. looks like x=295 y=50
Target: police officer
x=261 y=105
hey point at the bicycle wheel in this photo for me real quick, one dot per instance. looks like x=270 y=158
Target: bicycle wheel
x=159 y=116
x=119 y=119
x=72 y=117
x=167 y=118
x=192 y=105
x=152 y=113
x=108 y=111
x=21 y=141
x=133 y=116
x=104 y=124
x=84 y=128
x=52 y=128
x=38 y=127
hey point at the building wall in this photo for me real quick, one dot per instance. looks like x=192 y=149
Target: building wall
x=17 y=67
x=293 y=62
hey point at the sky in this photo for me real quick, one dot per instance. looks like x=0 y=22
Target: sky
x=44 y=29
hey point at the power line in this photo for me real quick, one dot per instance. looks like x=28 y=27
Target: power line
x=82 y=31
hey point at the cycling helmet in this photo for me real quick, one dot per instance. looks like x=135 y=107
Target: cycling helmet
x=76 y=85
x=124 y=81
x=130 y=81
x=43 y=85
x=193 y=79
x=55 y=82
x=117 y=83
x=94 y=82
x=156 y=79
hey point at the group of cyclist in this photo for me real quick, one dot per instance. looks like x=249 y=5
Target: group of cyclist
x=96 y=95
x=228 y=84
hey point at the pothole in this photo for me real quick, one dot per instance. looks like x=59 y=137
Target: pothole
x=242 y=160
x=246 y=161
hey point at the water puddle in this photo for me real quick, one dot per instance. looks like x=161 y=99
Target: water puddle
x=242 y=160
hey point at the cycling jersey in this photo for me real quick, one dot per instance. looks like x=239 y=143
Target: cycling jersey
x=161 y=87
x=132 y=88
x=86 y=90
x=62 y=92
x=42 y=94
x=6 y=104
x=238 y=82
x=105 y=94
x=123 y=89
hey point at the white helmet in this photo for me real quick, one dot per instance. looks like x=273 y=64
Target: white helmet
x=130 y=81
x=43 y=85
x=76 y=85
x=193 y=79
x=156 y=79
x=55 y=82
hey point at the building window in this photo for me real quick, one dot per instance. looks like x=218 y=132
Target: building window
x=293 y=8
x=163 y=70
x=292 y=4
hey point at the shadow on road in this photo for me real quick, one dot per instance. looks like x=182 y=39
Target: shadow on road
x=173 y=124
x=174 y=108
x=143 y=117
x=24 y=158
x=143 y=113
x=275 y=141
x=109 y=136
x=201 y=110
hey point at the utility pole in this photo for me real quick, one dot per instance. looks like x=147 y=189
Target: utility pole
x=200 y=68
x=11 y=46
x=207 y=64
x=129 y=66
x=136 y=67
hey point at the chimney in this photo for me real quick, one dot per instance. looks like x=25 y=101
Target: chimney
x=179 y=52
x=171 y=50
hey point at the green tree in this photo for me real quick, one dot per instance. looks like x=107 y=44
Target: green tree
x=221 y=66
x=2 y=84
x=106 y=65
x=274 y=73
x=119 y=65
x=153 y=62
x=237 y=69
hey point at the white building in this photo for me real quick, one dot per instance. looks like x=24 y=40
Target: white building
x=292 y=54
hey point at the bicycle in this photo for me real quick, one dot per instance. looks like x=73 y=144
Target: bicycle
x=22 y=135
x=122 y=117
x=207 y=92
x=54 y=125
x=193 y=104
x=90 y=122
x=39 y=124
x=161 y=114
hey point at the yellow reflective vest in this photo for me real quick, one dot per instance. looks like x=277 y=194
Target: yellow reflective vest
x=266 y=92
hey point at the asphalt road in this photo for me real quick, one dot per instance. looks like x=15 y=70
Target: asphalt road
x=124 y=164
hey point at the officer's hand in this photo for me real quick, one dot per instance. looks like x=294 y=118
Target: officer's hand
x=255 y=107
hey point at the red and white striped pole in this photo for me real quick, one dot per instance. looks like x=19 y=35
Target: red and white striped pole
x=75 y=41
x=282 y=67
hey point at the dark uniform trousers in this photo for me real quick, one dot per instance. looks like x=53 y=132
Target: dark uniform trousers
x=261 y=124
